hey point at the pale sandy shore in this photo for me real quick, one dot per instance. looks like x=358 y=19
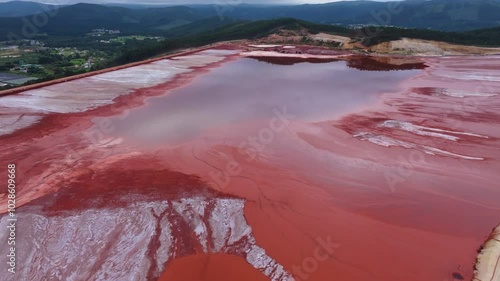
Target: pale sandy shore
x=276 y=54
x=264 y=46
x=488 y=261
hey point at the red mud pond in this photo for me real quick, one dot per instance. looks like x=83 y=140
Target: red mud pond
x=233 y=165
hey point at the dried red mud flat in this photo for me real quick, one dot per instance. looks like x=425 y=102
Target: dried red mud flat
x=216 y=167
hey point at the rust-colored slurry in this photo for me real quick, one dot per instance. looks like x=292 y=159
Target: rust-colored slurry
x=205 y=267
x=71 y=140
x=229 y=95
x=401 y=188
x=408 y=212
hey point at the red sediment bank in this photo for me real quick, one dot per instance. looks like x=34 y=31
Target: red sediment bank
x=92 y=73
x=401 y=187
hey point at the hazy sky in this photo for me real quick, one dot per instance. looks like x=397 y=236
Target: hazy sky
x=181 y=2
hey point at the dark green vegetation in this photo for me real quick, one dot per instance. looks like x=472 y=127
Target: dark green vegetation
x=484 y=37
x=49 y=64
x=203 y=25
x=65 y=56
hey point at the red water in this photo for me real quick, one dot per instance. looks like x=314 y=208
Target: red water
x=248 y=89
x=373 y=176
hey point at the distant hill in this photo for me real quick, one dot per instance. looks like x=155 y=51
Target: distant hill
x=20 y=8
x=448 y=15
x=81 y=18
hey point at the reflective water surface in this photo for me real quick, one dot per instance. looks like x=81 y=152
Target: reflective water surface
x=250 y=88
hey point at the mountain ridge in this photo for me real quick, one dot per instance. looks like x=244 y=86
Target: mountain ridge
x=78 y=19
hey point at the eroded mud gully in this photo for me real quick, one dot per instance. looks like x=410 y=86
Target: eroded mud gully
x=243 y=164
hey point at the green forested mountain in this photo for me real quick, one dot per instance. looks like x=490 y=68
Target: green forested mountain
x=82 y=18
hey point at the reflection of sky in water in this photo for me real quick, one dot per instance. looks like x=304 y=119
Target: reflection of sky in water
x=248 y=89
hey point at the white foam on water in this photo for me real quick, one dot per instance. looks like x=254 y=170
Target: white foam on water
x=471 y=76
x=434 y=151
x=464 y=94
x=426 y=131
x=385 y=141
